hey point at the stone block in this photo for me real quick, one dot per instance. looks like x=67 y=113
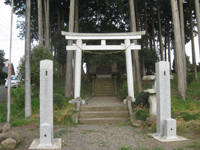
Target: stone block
x=152 y=101
x=163 y=95
x=170 y=129
x=46 y=135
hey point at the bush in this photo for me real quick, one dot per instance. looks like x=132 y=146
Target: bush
x=187 y=117
x=123 y=92
x=19 y=97
x=142 y=99
x=190 y=78
x=58 y=100
x=142 y=114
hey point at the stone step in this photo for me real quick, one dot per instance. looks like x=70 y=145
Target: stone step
x=103 y=120
x=103 y=108
x=104 y=114
x=105 y=92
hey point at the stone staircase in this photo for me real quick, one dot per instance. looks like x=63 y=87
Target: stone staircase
x=104 y=87
x=103 y=114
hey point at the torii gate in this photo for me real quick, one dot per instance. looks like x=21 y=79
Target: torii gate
x=79 y=46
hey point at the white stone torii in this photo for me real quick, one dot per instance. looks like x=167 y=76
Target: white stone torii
x=79 y=46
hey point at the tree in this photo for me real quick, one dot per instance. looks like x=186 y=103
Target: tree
x=136 y=61
x=192 y=45
x=40 y=27
x=179 y=52
x=47 y=38
x=68 y=78
x=2 y=59
x=183 y=37
x=198 y=19
x=37 y=53
x=160 y=32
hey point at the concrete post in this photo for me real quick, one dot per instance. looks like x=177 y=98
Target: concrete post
x=46 y=103
x=163 y=95
x=78 y=65
x=129 y=70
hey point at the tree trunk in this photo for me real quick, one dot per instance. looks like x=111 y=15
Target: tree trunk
x=183 y=38
x=40 y=26
x=169 y=47
x=136 y=61
x=198 y=19
x=160 y=32
x=59 y=25
x=179 y=52
x=47 y=39
x=153 y=33
x=69 y=71
x=193 y=47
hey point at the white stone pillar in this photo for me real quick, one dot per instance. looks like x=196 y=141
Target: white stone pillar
x=46 y=103
x=129 y=70
x=163 y=95
x=78 y=65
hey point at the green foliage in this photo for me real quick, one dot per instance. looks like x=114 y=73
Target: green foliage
x=58 y=100
x=123 y=92
x=142 y=114
x=149 y=57
x=190 y=77
x=124 y=147
x=2 y=59
x=35 y=103
x=18 y=96
x=3 y=75
x=178 y=104
x=3 y=111
x=187 y=116
x=20 y=122
x=195 y=145
x=142 y=99
x=38 y=53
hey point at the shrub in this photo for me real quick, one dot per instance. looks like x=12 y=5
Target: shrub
x=142 y=114
x=123 y=92
x=190 y=78
x=142 y=99
x=58 y=100
x=187 y=117
x=18 y=95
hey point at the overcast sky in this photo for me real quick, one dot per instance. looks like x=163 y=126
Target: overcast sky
x=18 y=45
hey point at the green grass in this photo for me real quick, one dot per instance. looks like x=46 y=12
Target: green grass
x=195 y=145
x=23 y=121
x=124 y=147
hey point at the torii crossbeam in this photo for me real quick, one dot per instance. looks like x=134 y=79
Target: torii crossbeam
x=127 y=46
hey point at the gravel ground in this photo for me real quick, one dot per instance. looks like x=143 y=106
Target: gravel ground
x=98 y=137
x=101 y=137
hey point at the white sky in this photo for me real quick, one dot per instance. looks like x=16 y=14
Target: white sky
x=17 y=50
x=18 y=45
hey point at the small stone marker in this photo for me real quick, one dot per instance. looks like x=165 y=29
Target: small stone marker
x=170 y=128
x=46 y=103
x=46 y=140
x=166 y=126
